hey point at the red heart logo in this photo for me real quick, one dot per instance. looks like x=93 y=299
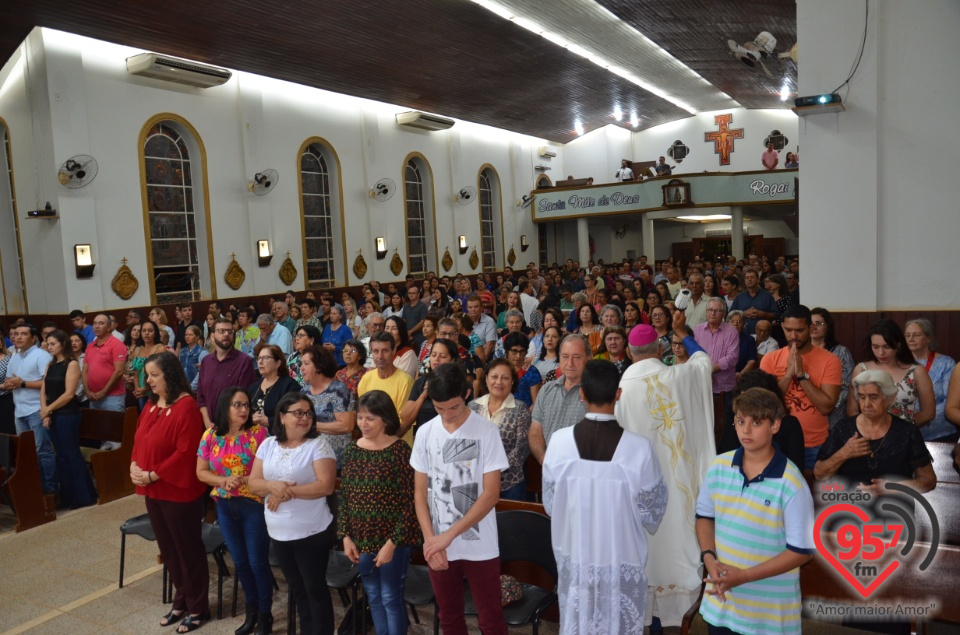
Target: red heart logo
x=817 y=538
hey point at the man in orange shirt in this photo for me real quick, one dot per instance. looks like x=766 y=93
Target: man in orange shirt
x=809 y=378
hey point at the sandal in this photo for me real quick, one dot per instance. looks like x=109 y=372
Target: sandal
x=171 y=618
x=193 y=622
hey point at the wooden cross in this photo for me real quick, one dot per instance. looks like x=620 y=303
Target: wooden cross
x=723 y=138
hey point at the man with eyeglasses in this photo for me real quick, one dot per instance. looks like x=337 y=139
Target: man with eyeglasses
x=721 y=341
x=374 y=324
x=414 y=312
x=226 y=367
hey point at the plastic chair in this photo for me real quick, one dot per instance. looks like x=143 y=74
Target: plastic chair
x=524 y=536
x=419 y=592
x=140 y=526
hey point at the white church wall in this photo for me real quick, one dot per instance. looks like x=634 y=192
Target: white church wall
x=650 y=144
x=885 y=202
x=248 y=124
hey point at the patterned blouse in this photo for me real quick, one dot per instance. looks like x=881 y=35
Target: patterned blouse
x=232 y=456
x=334 y=399
x=351 y=381
x=513 y=421
x=293 y=364
x=907 y=401
x=376 y=498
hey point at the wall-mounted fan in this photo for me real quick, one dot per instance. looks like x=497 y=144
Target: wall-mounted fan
x=761 y=55
x=466 y=195
x=263 y=182
x=383 y=190
x=525 y=201
x=778 y=139
x=77 y=172
x=678 y=151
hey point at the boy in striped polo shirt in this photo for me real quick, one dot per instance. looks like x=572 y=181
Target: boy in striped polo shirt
x=755 y=527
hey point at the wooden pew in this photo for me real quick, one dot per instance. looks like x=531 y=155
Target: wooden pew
x=111 y=468
x=20 y=481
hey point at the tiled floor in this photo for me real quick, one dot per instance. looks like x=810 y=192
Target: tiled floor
x=61 y=578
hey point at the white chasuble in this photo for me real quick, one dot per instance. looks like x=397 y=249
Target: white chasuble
x=672 y=406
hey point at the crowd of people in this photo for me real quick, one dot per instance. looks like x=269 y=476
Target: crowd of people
x=427 y=399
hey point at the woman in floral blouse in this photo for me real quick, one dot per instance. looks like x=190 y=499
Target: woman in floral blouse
x=355 y=356
x=333 y=403
x=224 y=461
x=512 y=417
x=377 y=518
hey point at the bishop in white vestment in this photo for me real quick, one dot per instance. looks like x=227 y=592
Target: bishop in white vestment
x=672 y=406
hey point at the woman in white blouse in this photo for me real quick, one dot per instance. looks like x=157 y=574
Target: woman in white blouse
x=294 y=472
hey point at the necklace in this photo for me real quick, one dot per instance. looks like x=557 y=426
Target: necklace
x=872 y=459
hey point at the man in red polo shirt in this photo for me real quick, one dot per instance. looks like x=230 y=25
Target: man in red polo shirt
x=103 y=366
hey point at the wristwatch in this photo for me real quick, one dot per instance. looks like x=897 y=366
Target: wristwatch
x=705 y=552
x=800 y=378
x=23 y=384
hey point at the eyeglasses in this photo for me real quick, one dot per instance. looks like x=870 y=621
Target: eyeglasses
x=676 y=343
x=224 y=331
x=300 y=414
x=266 y=358
x=518 y=351
x=715 y=311
x=820 y=323
x=349 y=350
x=240 y=405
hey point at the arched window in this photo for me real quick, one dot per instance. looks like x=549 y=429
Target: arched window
x=491 y=223
x=317 y=205
x=12 y=283
x=177 y=240
x=418 y=203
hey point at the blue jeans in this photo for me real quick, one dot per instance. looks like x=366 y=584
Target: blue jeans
x=516 y=492
x=76 y=485
x=245 y=532
x=110 y=402
x=810 y=457
x=45 y=456
x=384 y=588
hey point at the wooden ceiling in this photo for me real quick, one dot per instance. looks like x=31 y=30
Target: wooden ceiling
x=450 y=57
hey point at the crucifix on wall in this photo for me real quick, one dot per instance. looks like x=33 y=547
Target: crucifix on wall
x=723 y=138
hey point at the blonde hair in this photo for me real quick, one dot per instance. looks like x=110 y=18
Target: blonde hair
x=161 y=313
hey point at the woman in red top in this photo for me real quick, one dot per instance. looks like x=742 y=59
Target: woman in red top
x=164 y=469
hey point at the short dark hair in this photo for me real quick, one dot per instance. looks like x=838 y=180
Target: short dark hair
x=311 y=331
x=757 y=378
x=383 y=337
x=453 y=349
x=502 y=361
x=448 y=382
x=221 y=425
x=361 y=349
x=76 y=313
x=379 y=404
x=310 y=302
x=323 y=359
x=515 y=339
x=798 y=312
x=48 y=324
x=172 y=371
x=759 y=404
x=600 y=382
x=283 y=406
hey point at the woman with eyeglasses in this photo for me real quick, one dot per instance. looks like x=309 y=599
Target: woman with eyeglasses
x=377 y=516
x=923 y=346
x=821 y=335
x=333 y=403
x=294 y=472
x=224 y=462
x=661 y=319
x=304 y=337
x=275 y=381
x=653 y=299
x=354 y=356
x=587 y=325
x=613 y=348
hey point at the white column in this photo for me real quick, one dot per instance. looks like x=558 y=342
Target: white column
x=583 y=241
x=649 y=246
x=736 y=232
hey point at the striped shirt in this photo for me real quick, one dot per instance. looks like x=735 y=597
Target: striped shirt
x=756 y=520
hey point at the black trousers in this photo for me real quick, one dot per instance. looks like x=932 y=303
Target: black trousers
x=304 y=565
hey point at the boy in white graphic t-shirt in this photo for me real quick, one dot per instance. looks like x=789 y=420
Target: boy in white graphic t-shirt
x=458 y=457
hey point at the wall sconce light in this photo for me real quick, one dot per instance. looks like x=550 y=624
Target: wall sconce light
x=524 y=245
x=264 y=253
x=83 y=256
x=462 y=241
x=381 y=247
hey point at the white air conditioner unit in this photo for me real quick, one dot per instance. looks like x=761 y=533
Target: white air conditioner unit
x=719 y=233
x=172 y=69
x=548 y=151
x=424 y=121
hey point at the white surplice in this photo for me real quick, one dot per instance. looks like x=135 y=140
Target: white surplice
x=601 y=512
x=672 y=406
